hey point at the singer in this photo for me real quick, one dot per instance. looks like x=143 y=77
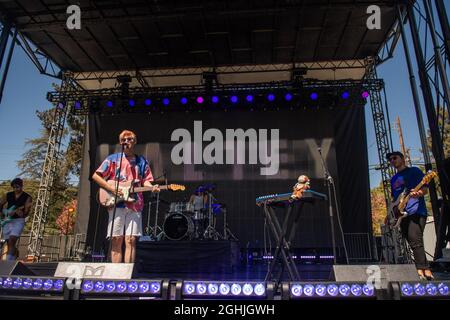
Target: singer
x=125 y=220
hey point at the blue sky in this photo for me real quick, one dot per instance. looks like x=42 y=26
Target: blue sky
x=26 y=90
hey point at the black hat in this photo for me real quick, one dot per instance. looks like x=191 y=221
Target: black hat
x=17 y=181
x=395 y=153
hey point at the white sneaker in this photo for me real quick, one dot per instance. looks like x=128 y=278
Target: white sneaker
x=448 y=245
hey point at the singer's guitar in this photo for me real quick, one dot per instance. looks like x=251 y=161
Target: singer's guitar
x=397 y=208
x=107 y=199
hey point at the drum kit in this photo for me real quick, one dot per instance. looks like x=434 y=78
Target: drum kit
x=182 y=222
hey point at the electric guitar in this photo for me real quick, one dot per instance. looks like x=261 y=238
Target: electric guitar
x=7 y=215
x=397 y=208
x=107 y=199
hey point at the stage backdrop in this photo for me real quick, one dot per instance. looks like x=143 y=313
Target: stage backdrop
x=271 y=151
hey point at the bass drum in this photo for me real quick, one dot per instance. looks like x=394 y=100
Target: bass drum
x=178 y=226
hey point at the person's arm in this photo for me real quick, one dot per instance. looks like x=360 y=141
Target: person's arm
x=101 y=174
x=23 y=213
x=418 y=178
x=3 y=202
x=148 y=178
x=191 y=200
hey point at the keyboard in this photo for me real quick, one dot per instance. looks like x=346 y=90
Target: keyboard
x=308 y=195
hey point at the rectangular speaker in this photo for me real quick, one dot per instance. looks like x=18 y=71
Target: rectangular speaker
x=14 y=268
x=78 y=270
x=384 y=272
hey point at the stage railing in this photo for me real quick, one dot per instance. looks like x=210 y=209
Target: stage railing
x=358 y=246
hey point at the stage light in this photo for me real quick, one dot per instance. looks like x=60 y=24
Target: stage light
x=433 y=289
x=288 y=96
x=365 y=94
x=271 y=97
x=249 y=98
x=318 y=290
x=109 y=104
x=166 y=101
x=213 y=288
x=234 y=99
x=32 y=283
x=247 y=289
x=184 y=100
x=61 y=105
x=214 y=99
x=200 y=100
x=226 y=289
x=148 y=102
x=345 y=95
x=314 y=96
x=77 y=105
x=122 y=287
x=131 y=103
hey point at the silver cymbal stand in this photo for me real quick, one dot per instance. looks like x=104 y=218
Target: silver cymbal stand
x=210 y=232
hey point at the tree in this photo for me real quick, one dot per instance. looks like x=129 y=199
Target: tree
x=66 y=219
x=379 y=210
x=63 y=192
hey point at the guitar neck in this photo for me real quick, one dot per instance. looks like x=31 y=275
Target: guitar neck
x=146 y=189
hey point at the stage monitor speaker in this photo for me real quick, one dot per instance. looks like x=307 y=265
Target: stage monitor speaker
x=386 y=273
x=79 y=270
x=14 y=268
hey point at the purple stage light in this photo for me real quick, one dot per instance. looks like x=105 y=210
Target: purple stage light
x=431 y=289
x=407 y=289
x=7 y=283
x=213 y=288
x=365 y=94
x=344 y=290
x=308 y=290
x=321 y=290
x=443 y=289
x=201 y=288
x=332 y=290
x=236 y=289
x=87 y=286
x=260 y=289
x=17 y=283
x=121 y=286
x=48 y=284
x=356 y=290
x=155 y=287
x=189 y=288
x=99 y=286
x=37 y=284
x=200 y=100
x=110 y=286
x=58 y=285
x=419 y=289
x=224 y=289
x=132 y=287
x=27 y=283
x=144 y=287
x=368 y=290
x=247 y=289
x=297 y=290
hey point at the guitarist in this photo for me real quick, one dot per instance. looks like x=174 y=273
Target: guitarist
x=413 y=224
x=128 y=217
x=18 y=203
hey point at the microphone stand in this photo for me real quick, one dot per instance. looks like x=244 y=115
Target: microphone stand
x=156 y=227
x=329 y=182
x=115 y=201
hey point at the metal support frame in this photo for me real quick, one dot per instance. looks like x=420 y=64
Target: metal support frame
x=48 y=173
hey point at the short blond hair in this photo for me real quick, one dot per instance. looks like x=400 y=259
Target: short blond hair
x=127 y=133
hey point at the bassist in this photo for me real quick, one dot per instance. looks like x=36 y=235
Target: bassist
x=413 y=224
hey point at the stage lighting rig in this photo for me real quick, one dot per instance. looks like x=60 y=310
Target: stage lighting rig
x=123 y=82
x=209 y=80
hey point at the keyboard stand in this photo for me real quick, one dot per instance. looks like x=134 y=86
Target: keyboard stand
x=283 y=245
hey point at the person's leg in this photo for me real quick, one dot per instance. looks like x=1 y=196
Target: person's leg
x=130 y=249
x=133 y=230
x=116 y=249
x=415 y=240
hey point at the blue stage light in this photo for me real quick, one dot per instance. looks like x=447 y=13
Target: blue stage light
x=431 y=289
x=121 y=286
x=308 y=290
x=58 y=285
x=87 y=286
x=249 y=98
x=344 y=290
x=109 y=104
x=184 y=100
x=213 y=289
x=259 y=289
x=201 y=288
x=144 y=287
x=77 y=105
x=155 y=287
x=189 y=288
x=37 y=284
x=236 y=289
x=99 y=286
x=61 y=105
x=234 y=99
x=215 y=99
x=314 y=96
x=224 y=289
x=131 y=103
x=271 y=97
x=166 y=101
x=48 y=284
x=407 y=289
x=148 y=102
x=288 y=96
x=332 y=290
x=368 y=290
x=132 y=287
x=443 y=289
x=419 y=289
x=247 y=289
x=17 y=283
x=27 y=283
x=345 y=95
x=356 y=290
x=297 y=290
x=321 y=290
x=110 y=286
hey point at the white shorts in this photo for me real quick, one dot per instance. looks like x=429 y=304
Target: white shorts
x=13 y=228
x=126 y=222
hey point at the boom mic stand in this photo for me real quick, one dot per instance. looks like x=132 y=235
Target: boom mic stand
x=156 y=229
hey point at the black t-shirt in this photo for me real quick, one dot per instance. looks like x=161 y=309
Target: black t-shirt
x=19 y=202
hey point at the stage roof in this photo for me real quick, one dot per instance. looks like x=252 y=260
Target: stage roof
x=152 y=34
